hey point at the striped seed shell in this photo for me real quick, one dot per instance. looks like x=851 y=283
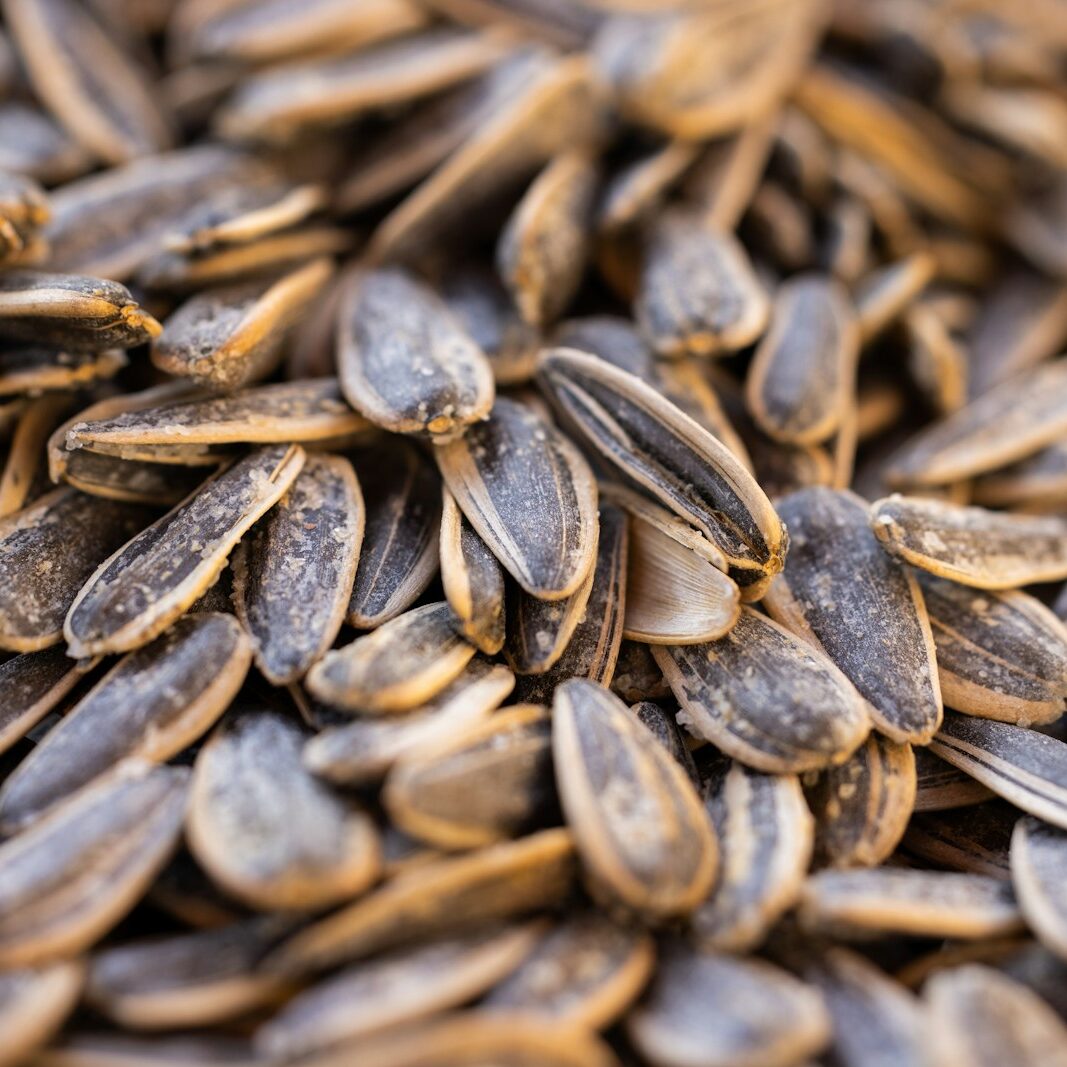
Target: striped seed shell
x=147 y=584
x=293 y=572
x=656 y=857
x=151 y=705
x=266 y=830
x=66 y=881
x=765 y=697
x=530 y=496
x=766 y=835
x=999 y=655
x=1038 y=870
x=404 y=360
x=843 y=593
x=32 y=685
x=34 y=1002
x=986 y=549
x=941 y=787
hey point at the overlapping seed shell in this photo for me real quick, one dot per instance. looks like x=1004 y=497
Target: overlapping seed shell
x=33 y=684
x=396 y=989
x=32 y=368
x=978 y=844
x=362 y=751
x=1024 y=767
x=188 y=979
x=404 y=663
x=585 y=971
x=986 y=549
x=150 y=705
x=47 y=552
x=847 y=596
x=1038 y=871
x=98 y=92
x=766 y=835
x=542 y=249
x=34 y=1002
x=661 y=724
x=66 y=881
x=883 y=294
x=439 y=897
x=664 y=453
x=226 y=338
x=593 y=647
x=266 y=830
x=916 y=902
x=489 y=783
x=1035 y=484
x=699 y=294
x=862 y=807
x=942 y=787
x=136 y=593
x=765 y=697
x=719 y=1010
x=399 y=556
x=293 y=572
x=999 y=655
x=985 y=1018
x=405 y=362
x=657 y=858
x=529 y=495
x=802 y=373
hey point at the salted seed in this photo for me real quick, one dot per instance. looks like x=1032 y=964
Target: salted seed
x=33 y=684
x=33 y=1005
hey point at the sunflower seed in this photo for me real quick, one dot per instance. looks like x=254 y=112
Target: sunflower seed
x=149 y=582
x=1037 y=483
x=863 y=609
x=33 y=370
x=33 y=1005
x=33 y=684
x=885 y=294
x=1038 y=865
x=942 y=787
x=978 y=845
x=661 y=724
x=86 y=1049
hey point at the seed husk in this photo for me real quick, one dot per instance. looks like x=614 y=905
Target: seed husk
x=886 y=293
x=765 y=697
x=661 y=724
x=33 y=369
x=766 y=835
x=1037 y=483
x=396 y=989
x=266 y=830
x=1022 y=766
x=843 y=593
x=438 y=897
x=638 y=188
x=293 y=573
x=942 y=787
x=584 y=972
x=999 y=655
x=634 y=857
x=35 y=145
x=34 y=1002
x=149 y=706
x=93 y=1049
x=405 y=362
x=149 y=582
x=979 y=844
x=710 y=1009
x=974 y=546
x=33 y=684
x=24 y=476
x=1038 y=868
x=66 y=881
x=530 y=496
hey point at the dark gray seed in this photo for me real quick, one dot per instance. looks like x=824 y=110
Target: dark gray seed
x=31 y=685
x=132 y=481
x=34 y=1004
x=660 y=723
x=942 y=787
x=1039 y=872
x=977 y=843
x=637 y=675
x=612 y=338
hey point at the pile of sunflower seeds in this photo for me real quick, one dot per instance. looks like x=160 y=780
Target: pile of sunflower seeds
x=533 y=533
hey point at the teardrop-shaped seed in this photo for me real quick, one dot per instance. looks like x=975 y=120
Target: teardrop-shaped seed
x=31 y=686
x=999 y=655
x=186 y=979
x=656 y=857
x=584 y=972
x=47 y=553
x=473 y=580
x=225 y=338
x=765 y=697
x=404 y=663
x=439 y=897
x=492 y=782
x=152 y=580
x=152 y=704
x=34 y=1004
x=710 y=1009
x=395 y=990
x=405 y=362
x=66 y=881
x=293 y=573
x=266 y=830
x=362 y=751
x=941 y=904
x=986 y=549
x=978 y=843
x=1039 y=872
x=843 y=593
x=862 y=807
x=699 y=294
x=803 y=371
x=1024 y=767
x=664 y=453
x=766 y=835
x=530 y=496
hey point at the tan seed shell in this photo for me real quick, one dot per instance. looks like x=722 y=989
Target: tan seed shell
x=942 y=787
x=884 y=295
x=33 y=1005
x=34 y=369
